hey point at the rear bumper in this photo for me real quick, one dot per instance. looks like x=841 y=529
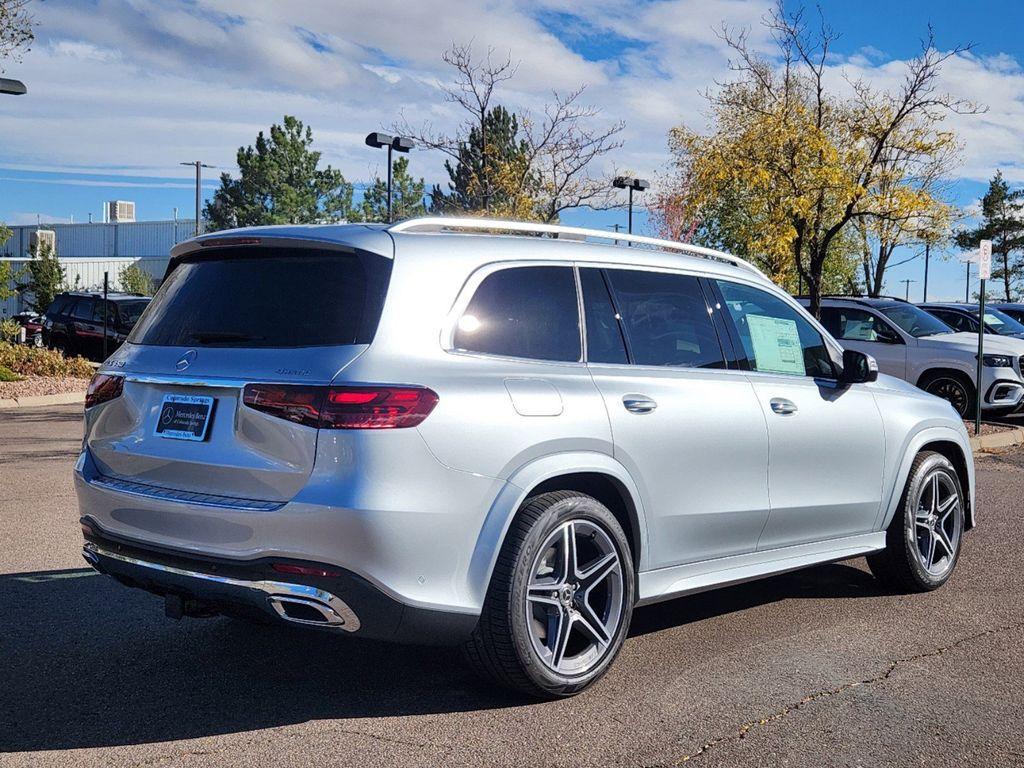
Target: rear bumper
x=339 y=601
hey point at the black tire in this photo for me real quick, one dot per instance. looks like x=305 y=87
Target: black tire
x=501 y=647
x=899 y=566
x=953 y=387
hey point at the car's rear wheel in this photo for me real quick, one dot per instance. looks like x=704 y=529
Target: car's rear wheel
x=923 y=539
x=560 y=600
x=955 y=388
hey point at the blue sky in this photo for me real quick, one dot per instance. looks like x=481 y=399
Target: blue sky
x=121 y=91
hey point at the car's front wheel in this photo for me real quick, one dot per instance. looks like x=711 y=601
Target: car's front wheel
x=923 y=539
x=560 y=600
x=955 y=388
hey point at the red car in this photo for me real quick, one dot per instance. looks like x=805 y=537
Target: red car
x=33 y=325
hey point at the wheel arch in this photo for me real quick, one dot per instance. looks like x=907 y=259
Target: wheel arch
x=932 y=373
x=594 y=474
x=946 y=441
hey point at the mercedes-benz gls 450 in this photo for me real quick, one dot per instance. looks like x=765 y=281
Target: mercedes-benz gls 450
x=498 y=435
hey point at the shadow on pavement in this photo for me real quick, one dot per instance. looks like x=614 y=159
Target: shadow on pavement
x=90 y=663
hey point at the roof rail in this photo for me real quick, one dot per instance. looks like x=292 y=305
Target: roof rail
x=442 y=223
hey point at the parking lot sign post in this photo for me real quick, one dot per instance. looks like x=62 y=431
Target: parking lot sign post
x=984 y=273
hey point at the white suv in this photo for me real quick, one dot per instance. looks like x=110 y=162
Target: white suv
x=916 y=346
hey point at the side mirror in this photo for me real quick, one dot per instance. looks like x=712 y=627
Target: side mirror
x=858 y=368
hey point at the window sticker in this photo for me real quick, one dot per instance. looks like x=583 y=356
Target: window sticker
x=992 y=320
x=776 y=343
x=860 y=330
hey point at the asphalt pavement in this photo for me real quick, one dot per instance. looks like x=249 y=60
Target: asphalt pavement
x=815 y=668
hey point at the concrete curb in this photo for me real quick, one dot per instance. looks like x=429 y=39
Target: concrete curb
x=998 y=440
x=64 y=398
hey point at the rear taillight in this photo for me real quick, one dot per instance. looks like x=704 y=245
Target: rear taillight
x=102 y=388
x=293 y=403
x=343 y=407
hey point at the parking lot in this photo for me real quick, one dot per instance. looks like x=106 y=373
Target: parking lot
x=813 y=668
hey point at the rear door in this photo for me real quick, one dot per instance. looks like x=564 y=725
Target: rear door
x=686 y=426
x=224 y=319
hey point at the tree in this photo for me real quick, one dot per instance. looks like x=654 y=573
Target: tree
x=16 y=33
x=802 y=160
x=280 y=183
x=46 y=278
x=1002 y=222
x=516 y=165
x=7 y=275
x=406 y=196
x=134 y=279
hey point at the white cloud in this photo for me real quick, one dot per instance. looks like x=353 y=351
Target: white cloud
x=133 y=87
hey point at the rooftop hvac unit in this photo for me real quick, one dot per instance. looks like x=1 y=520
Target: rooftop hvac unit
x=41 y=237
x=119 y=211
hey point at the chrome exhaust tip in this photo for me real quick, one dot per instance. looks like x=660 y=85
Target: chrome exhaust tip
x=300 y=610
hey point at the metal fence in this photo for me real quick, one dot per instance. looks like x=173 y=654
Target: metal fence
x=81 y=274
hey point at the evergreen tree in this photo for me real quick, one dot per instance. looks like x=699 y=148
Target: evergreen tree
x=406 y=195
x=490 y=159
x=280 y=183
x=46 y=278
x=1002 y=222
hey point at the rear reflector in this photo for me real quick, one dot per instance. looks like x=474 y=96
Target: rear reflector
x=102 y=388
x=343 y=407
x=304 y=570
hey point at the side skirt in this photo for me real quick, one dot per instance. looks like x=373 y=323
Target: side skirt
x=666 y=583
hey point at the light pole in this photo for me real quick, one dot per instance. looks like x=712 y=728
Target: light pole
x=393 y=144
x=199 y=191
x=626 y=182
x=12 y=87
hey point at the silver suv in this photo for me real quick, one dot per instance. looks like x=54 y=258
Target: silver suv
x=917 y=346
x=507 y=442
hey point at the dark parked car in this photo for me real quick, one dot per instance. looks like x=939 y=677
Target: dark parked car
x=1013 y=309
x=74 y=322
x=33 y=325
x=964 y=317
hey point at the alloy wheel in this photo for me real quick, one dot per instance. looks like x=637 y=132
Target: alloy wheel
x=938 y=521
x=574 y=597
x=953 y=391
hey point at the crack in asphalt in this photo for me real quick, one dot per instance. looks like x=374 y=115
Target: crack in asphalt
x=742 y=731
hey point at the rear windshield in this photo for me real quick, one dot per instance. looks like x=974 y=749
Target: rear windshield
x=267 y=297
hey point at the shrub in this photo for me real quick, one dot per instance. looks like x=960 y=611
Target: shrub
x=9 y=330
x=6 y=374
x=30 y=361
x=134 y=279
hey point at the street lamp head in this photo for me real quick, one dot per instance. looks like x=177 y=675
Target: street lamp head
x=402 y=143
x=12 y=87
x=378 y=140
x=621 y=182
x=641 y=184
x=628 y=182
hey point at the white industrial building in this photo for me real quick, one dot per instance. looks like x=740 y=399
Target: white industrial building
x=86 y=251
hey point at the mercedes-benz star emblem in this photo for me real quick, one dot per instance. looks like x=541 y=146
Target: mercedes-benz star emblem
x=186 y=360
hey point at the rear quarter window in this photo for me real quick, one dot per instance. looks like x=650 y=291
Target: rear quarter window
x=267 y=297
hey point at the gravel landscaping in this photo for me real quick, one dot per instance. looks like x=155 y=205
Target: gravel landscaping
x=31 y=386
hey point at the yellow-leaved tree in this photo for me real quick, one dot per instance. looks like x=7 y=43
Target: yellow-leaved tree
x=791 y=160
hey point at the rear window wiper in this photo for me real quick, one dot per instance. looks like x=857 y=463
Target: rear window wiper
x=214 y=336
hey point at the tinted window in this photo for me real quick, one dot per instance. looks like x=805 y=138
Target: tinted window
x=775 y=337
x=604 y=335
x=955 y=320
x=267 y=297
x=82 y=310
x=59 y=305
x=523 y=312
x=914 y=320
x=666 y=319
x=1000 y=322
x=97 y=312
x=130 y=311
x=855 y=324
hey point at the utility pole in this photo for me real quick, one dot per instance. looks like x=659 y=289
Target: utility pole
x=967 y=286
x=391 y=143
x=927 y=254
x=198 y=165
x=907 y=283
x=625 y=182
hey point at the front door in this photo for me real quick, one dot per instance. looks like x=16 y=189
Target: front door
x=827 y=444
x=688 y=429
x=866 y=332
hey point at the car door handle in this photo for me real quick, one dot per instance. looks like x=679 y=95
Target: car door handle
x=782 y=406
x=638 y=403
